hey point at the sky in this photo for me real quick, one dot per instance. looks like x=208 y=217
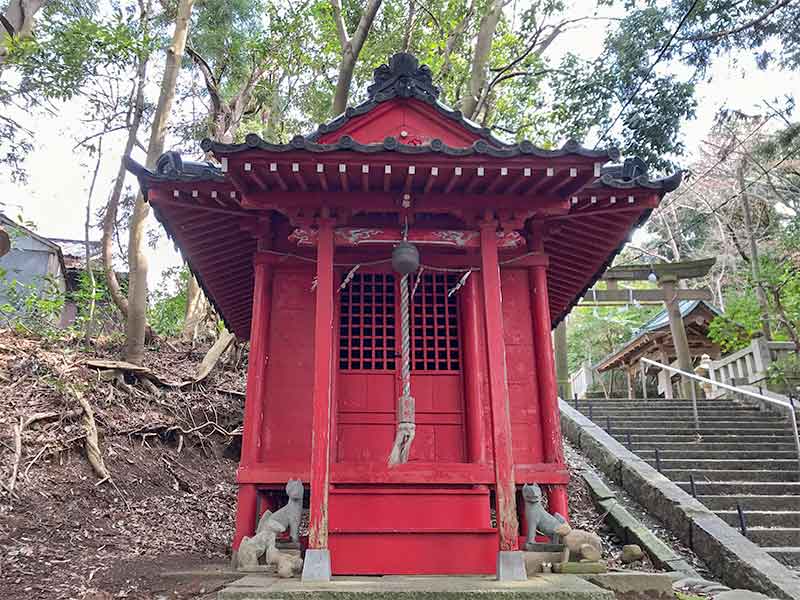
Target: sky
x=54 y=198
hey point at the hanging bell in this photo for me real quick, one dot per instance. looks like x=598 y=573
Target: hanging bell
x=405 y=258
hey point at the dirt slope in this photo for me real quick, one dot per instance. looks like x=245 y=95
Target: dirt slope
x=64 y=536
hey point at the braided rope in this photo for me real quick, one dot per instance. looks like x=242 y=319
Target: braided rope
x=406 y=419
x=405 y=337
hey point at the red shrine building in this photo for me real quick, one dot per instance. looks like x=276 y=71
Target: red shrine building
x=293 y=245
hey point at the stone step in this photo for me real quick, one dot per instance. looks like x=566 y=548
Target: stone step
x=748 y=488
x=664 y=434
x=774 y=536
x=660 y=407
x=751 y=502
x=789 y=555
x=705 y=464
x=716 y=417
x=659 y=441
x=650 y=446
x=762 y=518
x=414 y=587
x=745 y=425
x=659 y=401
x=734 y=453
x=730 y=475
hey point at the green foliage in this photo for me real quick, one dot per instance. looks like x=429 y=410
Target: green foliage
x=95 y=307
x=75 y=46
x=168 y=302
x=783 y=375
x=55 y=64
x=734 y=329
x=594 y=333
x=34 y=307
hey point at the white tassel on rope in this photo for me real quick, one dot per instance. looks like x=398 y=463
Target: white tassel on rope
x=406 y=418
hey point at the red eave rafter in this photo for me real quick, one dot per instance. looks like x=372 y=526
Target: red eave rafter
x=257 y=171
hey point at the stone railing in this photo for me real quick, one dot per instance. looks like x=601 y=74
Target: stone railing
x=749 y=365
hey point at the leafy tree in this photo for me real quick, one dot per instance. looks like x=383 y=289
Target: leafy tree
x=168 y=302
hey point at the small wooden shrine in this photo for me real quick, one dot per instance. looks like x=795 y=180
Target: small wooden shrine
x=654 y=340
x=293 y=244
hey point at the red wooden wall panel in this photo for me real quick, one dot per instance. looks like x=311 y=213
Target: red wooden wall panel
x=526 y=429
x=287 y=406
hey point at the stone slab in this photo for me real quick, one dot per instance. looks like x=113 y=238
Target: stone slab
x=730 y=555
x=511 y=566
x=740 y=595
x=317 y=565
x=540 y=587
x=635 y=585
x=580 y=568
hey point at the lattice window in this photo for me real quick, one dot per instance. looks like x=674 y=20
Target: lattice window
x=368 y=325
x=434 y=318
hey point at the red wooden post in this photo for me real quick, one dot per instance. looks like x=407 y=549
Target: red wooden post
x=317 y=566
x=507 y=524
x=546 y=372
x=474 y=372
x=254 y=401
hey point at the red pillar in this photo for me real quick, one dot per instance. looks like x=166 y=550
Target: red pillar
x=546 y=373
x=498 y=390
x=322 y=396
x=474 y=372
x=254 y=400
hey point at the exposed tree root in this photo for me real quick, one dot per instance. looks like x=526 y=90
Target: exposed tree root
x=92 y=444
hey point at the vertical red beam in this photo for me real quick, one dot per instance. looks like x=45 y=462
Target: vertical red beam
x=474 y=372
x=321 y=403
x=546 y=371
x=498 y=390
x=256 y=393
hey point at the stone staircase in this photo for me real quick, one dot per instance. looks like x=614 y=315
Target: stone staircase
x=744 y=455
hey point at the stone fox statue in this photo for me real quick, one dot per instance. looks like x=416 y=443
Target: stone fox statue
x=539 y=519
x=271 y=524
x=289 y=515
x=582 y=544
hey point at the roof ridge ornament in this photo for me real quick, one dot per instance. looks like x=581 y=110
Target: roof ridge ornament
x=403 y=77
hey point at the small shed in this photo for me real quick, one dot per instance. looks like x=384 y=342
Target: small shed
x=653 y=340
x=33 y=262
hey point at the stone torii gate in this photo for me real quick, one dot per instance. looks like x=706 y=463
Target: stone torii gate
x=668 y=276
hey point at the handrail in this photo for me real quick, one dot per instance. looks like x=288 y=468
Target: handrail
x=761 y=397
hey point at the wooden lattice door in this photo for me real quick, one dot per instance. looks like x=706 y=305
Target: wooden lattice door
x=369 y=369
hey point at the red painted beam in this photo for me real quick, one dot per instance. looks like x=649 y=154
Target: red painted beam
x=474 y=372
x=546 y=371
x=253 y=407
x=321 y=396
x=507 y=524
x=416 y=473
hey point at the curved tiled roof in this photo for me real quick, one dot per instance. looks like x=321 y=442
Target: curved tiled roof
x=392 y=144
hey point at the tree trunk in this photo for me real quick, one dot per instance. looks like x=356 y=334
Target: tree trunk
x=110 y=219
x=754 y=265
x=410 y=22
x=137 y=256
x=480 y=59
x=196 y=308
x=351 y=48
x=87 y=247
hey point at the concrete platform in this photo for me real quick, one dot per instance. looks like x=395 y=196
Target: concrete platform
x=540 y=587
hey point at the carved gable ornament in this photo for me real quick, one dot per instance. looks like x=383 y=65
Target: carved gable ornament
x=403 y=77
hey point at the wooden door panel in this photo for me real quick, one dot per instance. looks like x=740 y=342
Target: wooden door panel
x=368 y=383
